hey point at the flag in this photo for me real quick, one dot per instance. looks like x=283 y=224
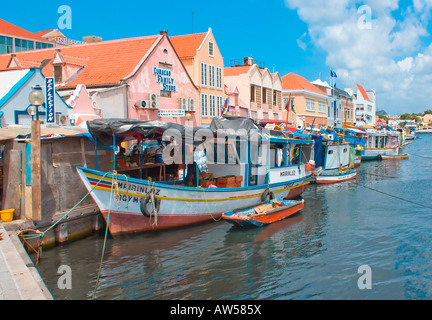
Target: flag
x=292 y=106
x=333 y=74
x=288 y=104
x=225 y=107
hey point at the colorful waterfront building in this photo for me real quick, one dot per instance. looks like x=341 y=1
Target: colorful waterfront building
x=257 y=87
x=203 y=60
x=310 y=102
x=15 y=87
x=138 y=78
x=365 y=105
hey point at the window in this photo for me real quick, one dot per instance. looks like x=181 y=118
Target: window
x=310 y=104
x=203 y=74
x=274 y=97
x=164 y=93
x=321 y=106
x=212 y=105
x=252 y=93
x=211 y=76
x=58 y=74
x=264 y=95
x=219 y=77
x=23 y=45
x=204 y=110
x=6 y=45
x=219 y=105
x=211 y=49
x=164 y=65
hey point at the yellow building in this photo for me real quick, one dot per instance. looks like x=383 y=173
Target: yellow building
x=203 y=61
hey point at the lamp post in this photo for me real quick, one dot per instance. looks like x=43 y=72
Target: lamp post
x=188 y=117
x=36 y=98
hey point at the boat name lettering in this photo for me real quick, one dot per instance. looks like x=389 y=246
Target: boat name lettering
x=136 y=188
x=126 y=198
x=287 y=173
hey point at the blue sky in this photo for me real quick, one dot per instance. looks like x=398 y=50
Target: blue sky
x=389 y=53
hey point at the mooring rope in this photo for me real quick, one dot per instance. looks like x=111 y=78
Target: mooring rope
x=105 y=240
x=393 y=196
x=40 y=234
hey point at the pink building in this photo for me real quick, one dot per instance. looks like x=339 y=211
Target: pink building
x=138 y=78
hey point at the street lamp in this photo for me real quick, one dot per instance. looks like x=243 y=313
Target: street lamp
x=36 y=98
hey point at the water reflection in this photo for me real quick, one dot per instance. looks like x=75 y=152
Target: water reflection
x=314 y=254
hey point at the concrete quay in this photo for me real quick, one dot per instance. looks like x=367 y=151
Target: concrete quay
x=19 y=278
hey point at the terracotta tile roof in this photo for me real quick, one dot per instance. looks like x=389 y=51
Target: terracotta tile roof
x=293 y=81
x=11 y=29
x=235 y=71
x=43 y=32
x=187 y=45
x=104 y=63
x=363 y=92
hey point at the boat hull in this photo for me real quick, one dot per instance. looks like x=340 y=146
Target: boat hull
x=395 y=157
x=357 y=161
x=377 y=153
x=249 y=218
x=336 y=177
x=179 y=206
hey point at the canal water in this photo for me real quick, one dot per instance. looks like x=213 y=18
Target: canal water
x=366 y=239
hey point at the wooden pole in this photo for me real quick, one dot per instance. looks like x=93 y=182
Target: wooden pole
x=288 y=111
x=36 y=170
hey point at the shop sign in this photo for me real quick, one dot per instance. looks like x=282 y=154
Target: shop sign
x=164 y=77
x=50 y=107
x=171 y=113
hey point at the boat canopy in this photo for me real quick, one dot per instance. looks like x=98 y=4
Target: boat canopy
x=126 y=129
x=103 y=130
x=234 y=125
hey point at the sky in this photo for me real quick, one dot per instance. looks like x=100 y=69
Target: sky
x=384 y=45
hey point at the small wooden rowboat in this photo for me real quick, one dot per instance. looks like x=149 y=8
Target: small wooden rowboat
x=395 y=157
x=264 y=214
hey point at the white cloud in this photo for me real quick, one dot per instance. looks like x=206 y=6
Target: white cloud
x=389 y=57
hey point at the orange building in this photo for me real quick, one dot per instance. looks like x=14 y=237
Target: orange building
x=204 y=62
x=310 y=102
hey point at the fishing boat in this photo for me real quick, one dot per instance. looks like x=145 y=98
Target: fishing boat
x=267 y=213
x=395 y=157
x=410 y=128
x=239 y=171
x=381 y=142
x=355 y=137
x=334 y=161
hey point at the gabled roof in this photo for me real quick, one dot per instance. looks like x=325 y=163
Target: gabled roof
x=319 y=82
x=13 y=30
x=293 y=81
x=11 y=81
x=187 y=45
x=363 y=92
x=235 y=71
x=102 y=63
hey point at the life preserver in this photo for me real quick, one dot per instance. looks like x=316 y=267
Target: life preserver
x=146 y=200
x=267 y=196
